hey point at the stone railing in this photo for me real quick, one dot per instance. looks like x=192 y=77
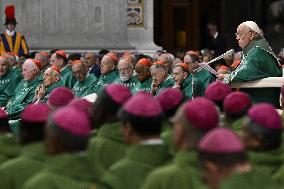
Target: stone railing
x=261 y=83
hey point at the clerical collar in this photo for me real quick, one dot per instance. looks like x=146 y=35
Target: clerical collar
x=156 y=141
x=10 y=33
x=216 y=35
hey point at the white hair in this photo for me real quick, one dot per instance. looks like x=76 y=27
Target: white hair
x=252 y=25
x=31 y=65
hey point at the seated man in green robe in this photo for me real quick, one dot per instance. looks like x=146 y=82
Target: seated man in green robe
x=25 y=91
x=258 y=62
x=9 y=146
x=198 y=73
x=225 y=163
x=161 y=78
x=32 y=159
x=126 y=77
x=13 y=63
x=108 y=72
x=142 y=69
x=108 y=146
x=191 y=87
x=188 y=128
x=43 y=57
x=65 y=144
x=141 y=118
x=51 y=80
x=59 y=59
x=8 y=81
x=85 y=84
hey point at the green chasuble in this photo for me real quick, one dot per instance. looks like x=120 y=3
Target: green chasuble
x=67 y=77
x=14 y=173
x=168 y=83
x=187 y=90
x=182 y=174
x=23 y=97
x=258 y=62
x=255 y=179
x=131 y=83
x=86 y=87
x=106 y=148
x=64 y=171
x=142 y=86
x=271 y=160
x=8 y=84
x=167 y=136
x=49 y=89
x=105 y=80
x=131 y=171
x=18 y=71
x=204 y=78
x=9 y=148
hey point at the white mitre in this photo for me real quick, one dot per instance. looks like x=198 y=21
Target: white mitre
x=252 y=25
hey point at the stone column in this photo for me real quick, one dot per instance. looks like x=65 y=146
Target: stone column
x=71 y=25
x=140 y=21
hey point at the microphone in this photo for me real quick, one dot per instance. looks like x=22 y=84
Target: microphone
x=229 y=52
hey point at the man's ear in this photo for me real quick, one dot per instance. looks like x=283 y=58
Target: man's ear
x=210 y=166
x=127 y=132
x=185 y=74
x=256 y=141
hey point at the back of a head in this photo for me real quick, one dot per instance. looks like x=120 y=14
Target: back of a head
x=33 y=119
x=236 y=105
x=222 y=147
x=60 y=97
x=217 y=91
x=81 y=104
x=170 y=99
x=108 y=102
x=143 y=113
x=265 y=126
x=68 y=130
x=201 y=114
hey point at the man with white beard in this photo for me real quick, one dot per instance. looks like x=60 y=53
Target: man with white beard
x=126 y=78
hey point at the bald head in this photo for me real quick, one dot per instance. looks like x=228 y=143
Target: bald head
x=50 y=77
x=44 y=60
x=90 y=59
x=30 y=70
x=107 y=64
x=125 y=69
x=79 y=71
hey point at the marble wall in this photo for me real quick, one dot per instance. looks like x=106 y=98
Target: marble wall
x=71 y=24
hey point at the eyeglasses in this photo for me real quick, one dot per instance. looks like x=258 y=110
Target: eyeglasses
x=242 y=34
x=124 y=69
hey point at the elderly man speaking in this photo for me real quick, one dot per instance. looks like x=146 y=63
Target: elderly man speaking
x=258 y=61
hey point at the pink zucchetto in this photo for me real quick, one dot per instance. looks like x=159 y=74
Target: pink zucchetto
x=35 y=113
x=265 y=115
x=72 y=121
x=220 y=141
x=236 y=102
x=201 y=113
x=170 y=98
x=60 y=96
x=118 y=93
x=217 y=91
x=143 y=105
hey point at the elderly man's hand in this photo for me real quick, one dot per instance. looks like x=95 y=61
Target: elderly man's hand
x=221 y=76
